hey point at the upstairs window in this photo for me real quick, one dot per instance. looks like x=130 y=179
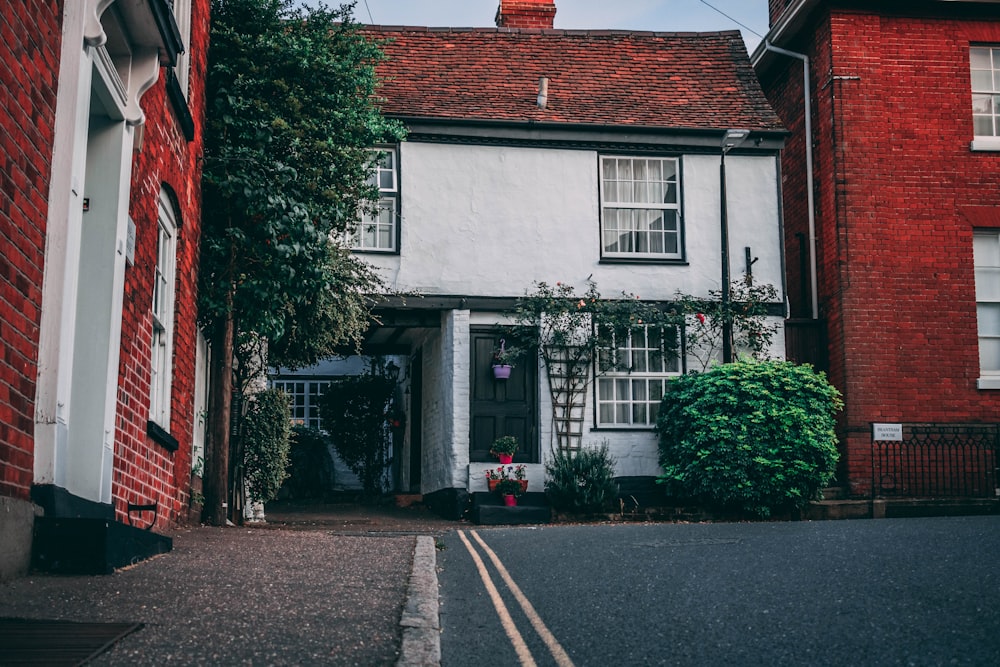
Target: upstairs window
x=377 y=231
x=986 y=251
x=984 y=62
x=163 y=315
x=640 y=208
x=629 y=393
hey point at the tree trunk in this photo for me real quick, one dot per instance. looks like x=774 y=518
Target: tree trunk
x=216 y=480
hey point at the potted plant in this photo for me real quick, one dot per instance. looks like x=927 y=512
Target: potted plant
x=503 y=360
x=503 y=448
x=507 y=481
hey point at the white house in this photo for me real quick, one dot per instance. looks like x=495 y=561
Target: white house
x=558 y=156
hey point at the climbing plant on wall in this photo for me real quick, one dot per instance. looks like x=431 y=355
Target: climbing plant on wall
x=569 y=329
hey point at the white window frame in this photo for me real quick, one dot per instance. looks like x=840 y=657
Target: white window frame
x=303 y=397
x=984 y=74
x=378 y=231
x=162 y=344
x=637 y=233
x=986 y=252
x=182 y=15
x=633 y=365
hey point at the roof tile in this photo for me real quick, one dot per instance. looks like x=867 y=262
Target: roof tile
x=596 y=77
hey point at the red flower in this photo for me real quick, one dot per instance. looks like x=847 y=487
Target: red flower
x=701 y=318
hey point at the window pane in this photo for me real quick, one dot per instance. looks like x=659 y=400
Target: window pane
x=610 y=170
x=605 y=390
x=989 y=355
x=982 y=126
x=979 y=57
x=988 y=315
x=624 y=170
x=639 y=413
x=638 y=390
x=982 y=104
x=656 y=390
x=987 y=284
x=986 y=249
x=982 y=80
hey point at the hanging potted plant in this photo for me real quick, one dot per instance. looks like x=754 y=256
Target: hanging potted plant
x=503 y=360
x=503 y=448
x=508 y=482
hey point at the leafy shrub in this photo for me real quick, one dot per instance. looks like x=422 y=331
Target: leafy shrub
x=310 y=465
x=582 y=481
x=754 y=436
x=266 y=439
x=355 y=412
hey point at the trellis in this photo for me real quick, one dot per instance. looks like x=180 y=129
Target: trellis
x=567 y=371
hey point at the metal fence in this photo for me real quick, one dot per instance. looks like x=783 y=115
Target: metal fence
x=938 y=460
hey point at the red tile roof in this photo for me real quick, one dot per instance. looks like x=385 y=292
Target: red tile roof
x=668 y=80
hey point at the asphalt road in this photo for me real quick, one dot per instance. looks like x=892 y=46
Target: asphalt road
x=867 y=592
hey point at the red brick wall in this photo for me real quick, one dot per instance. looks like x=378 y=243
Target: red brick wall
x=29 y=56
x=144 y=470
x=892 y=127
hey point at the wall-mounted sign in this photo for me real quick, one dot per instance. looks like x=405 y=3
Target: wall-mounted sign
x=130 y=242
x=887 y=432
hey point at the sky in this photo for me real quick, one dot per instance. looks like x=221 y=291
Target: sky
x=656 y=15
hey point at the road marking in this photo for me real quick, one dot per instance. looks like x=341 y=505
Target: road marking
x=520 y=647
x=555 y=648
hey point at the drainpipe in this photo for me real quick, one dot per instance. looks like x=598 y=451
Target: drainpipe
x=814 y=296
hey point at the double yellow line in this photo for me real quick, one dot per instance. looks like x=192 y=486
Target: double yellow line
x=520 y=647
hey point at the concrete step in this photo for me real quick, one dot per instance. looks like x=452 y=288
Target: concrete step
x=488 y=510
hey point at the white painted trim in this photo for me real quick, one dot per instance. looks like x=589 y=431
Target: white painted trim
x=988 y=383
x=62 y=249
x=985 y=144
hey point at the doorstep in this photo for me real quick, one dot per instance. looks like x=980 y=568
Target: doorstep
x=488 y=510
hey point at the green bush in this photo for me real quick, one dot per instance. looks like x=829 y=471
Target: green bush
x=310 y=465
x=266 y=438
x=751 y=436
x=583 y=481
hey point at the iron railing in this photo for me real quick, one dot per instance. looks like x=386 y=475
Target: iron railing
x=938 y=460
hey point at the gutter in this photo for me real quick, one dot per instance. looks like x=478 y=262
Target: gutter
x=807 y=103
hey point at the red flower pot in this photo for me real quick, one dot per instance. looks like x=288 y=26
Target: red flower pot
x=510 y=500
x=505 y=458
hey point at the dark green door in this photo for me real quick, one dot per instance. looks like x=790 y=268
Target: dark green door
x=502 y=407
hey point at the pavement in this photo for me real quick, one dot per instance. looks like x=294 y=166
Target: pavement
x=329 y=585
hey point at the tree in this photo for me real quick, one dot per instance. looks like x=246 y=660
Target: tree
x=292 y=115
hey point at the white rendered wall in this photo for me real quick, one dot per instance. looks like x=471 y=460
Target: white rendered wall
x=489 y=221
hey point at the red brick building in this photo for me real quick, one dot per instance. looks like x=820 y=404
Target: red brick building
x=904 y=107
x=101 y=111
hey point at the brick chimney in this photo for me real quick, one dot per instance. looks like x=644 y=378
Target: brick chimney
x=526 y=13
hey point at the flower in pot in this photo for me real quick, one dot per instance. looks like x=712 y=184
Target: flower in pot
x=508 y=481
x=503 y=448
x=503 y=360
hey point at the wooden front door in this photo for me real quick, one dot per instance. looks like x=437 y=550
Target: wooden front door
x=502 y=407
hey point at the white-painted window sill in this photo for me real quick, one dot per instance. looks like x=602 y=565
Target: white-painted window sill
x=989 y=383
